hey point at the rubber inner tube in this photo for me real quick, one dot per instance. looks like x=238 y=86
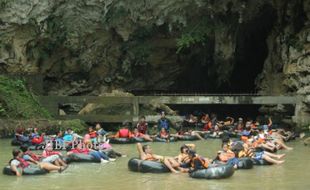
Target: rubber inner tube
x=214 y=172
x=15 y=142
x=260 y=162
x=122 y=140
x=82 y=158
x=27 y=171
x=138 y=139
x=245 y=163
x=171 y=139
x=188 y=138
x=145 y=166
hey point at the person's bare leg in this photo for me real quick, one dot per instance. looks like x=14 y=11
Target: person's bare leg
x=278 y=156
x=57 y=162
x=271 y=160
x=168 y=164
x=147 y=137
x=62 y=163
x=48 y=166
x=197 y=135
x=282 y=144
x=266 y=147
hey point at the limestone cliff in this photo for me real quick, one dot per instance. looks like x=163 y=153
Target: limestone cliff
x=95 y=46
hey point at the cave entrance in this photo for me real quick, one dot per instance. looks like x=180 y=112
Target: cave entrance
x=251 y=51
x=202 y=74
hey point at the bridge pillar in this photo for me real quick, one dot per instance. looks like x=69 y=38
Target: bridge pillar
x=302 y=115
x=136 y=110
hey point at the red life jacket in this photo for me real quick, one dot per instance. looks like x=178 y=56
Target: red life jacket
x=32 y=155
x=22 y=163
x=93 y=134
x=37 y=140
x=124 y=133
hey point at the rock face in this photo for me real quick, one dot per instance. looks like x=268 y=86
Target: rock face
x=90 y=47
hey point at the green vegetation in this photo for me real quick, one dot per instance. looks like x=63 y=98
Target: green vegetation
x=17 y=102
x=76 y=125
x=196 y=33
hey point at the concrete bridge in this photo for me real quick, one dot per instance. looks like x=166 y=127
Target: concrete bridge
x=52 y=103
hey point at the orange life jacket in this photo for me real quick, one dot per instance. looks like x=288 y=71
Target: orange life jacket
x=244 y=138
x=224 y=156
x=204 y=163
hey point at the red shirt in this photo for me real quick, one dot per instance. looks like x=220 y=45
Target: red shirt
x=142 y=127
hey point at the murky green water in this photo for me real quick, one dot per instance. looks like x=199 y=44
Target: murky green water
x=293 y=174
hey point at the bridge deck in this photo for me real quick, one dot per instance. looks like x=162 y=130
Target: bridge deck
x=52 y=103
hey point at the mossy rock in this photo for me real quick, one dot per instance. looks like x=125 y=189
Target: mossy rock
x=17 y=102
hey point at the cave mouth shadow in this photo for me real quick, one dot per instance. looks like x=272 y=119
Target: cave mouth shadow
x=251 y=51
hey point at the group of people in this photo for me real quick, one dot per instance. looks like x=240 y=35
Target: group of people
x=259 y=147
x=94 y=144
x=258 y=142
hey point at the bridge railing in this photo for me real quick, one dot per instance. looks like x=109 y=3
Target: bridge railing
x=52 y=103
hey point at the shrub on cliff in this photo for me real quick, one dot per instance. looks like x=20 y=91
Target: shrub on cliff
x=17 y=102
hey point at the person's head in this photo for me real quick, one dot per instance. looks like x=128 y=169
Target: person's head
x=225 y=147
x=19 y=131
x=162 y=114
x=59 y=134
x=98 y=126
x=184 y=149
x=17 y=153
x=163 y=130
x=125 y=125
x=69 y=130
x=147 y=149
x=135 y=130
x=91 y=129
x=24 y=148
x=142 y=118
x=49 y=147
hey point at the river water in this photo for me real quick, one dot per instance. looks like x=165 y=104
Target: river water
x=293 y=174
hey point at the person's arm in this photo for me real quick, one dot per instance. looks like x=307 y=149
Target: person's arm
x=140 y=151
x=180 y=158
x=28 y=158
x=130 y=135
x=116 y=135
x=269 y=122
x=158 y=157
x=14 y=169
x=191 y=146
x=13 y=166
